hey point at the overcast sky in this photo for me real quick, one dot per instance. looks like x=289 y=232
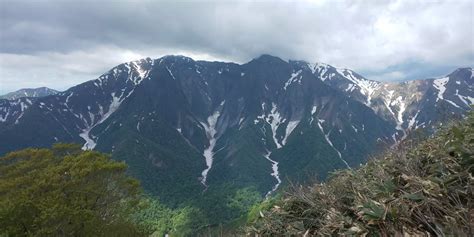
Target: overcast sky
x=59 y=44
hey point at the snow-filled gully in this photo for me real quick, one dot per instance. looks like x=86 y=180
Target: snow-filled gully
x=211 y=132
x=275 y=174
x=89 y=141
x=274 y=119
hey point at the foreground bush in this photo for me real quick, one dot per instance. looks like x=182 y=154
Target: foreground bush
x=421 y=190
x=64 y=191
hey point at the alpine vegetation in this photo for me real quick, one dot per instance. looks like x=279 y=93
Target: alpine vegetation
x=422 y=188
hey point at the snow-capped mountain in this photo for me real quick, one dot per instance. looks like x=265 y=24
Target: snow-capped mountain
x=206 y=124
x=29 y=92
x=409 y=105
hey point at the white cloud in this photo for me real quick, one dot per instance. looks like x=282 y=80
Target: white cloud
x=63 y=70
x=390 y=76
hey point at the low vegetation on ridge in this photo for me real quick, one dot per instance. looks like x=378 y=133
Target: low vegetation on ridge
x=424 y=189
x=417 y=189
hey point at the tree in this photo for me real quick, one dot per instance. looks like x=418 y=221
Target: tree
x=64 y=191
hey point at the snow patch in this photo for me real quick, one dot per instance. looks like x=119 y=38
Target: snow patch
x=467 y=100
x=355 y=129
x=295 y=77
x=440 y=85
x=142 y=74
x=452 y=103
x=4 y=118
x=320 y=69
x=367 y=87
x=413 y=120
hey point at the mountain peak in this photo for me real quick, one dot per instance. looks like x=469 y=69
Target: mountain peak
x=464 y=72
x=176 y=58
x=29 y=92
x=267 y=58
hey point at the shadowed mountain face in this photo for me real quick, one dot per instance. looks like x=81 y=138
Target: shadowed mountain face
x=183 y=125
x=29 y=92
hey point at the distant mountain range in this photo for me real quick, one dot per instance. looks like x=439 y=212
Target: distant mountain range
x=29 y=92
x=184 y=126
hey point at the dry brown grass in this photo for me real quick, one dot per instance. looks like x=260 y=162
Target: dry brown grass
x=423 y=189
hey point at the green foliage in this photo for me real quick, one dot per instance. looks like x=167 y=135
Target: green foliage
x=64 y=191
x=226 y=203
x=218 y=210
x=157 y=219
x=422 y=189
x=187 y=221
x=257 y=209
x=152 y=217
x=243 y=200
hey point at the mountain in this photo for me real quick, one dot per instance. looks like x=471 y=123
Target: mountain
x=410 y=104
x=29 y=92
x=188 y=127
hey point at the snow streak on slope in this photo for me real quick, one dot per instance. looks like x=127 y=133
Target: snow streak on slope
x=330 y=143
x=289 y=128
x=313 y=111
x=413 y=121
x=367 y=87
x=440 y=85
x=23 y=107
x=211 y=131
x=467 y=100
x=142 y=74
x=295 y=77
x=114 y=105
x=274 y=119
x=321 y=69
x=90 y=143
x=15 y=110
x=401 y=109
x=275 y=173
x=4 y=117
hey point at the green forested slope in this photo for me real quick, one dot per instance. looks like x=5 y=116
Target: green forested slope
x=419 y=188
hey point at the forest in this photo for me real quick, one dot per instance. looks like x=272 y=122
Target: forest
x=422 y=187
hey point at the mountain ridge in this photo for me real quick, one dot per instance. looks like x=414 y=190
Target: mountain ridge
x=207 y=124
x=29 y=92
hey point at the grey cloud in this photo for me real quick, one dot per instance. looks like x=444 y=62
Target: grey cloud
x=362 y=35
